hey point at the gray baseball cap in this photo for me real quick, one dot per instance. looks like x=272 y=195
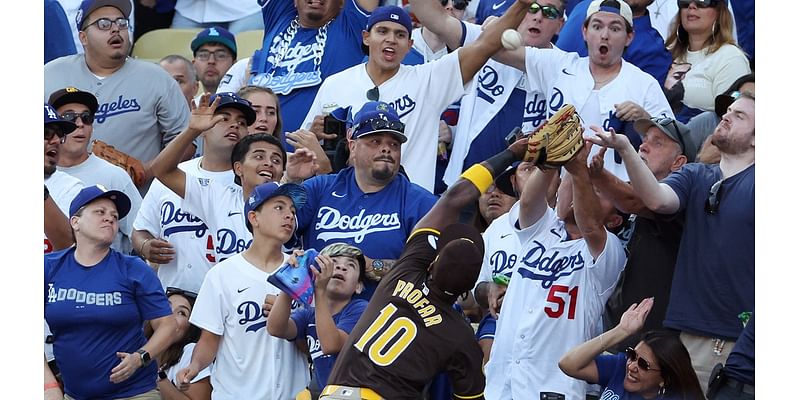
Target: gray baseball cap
x=675 y=130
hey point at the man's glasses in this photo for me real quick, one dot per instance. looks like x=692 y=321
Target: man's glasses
x=714 y=197
x=104 y=24
x=632 y=355
x=667 y=121
x=185 y=293
x=86 y=117
x=379 y=124
x=219 y=55
x=548 y=12
x=50 y=131
x=373 y=94
x=457 y=4
x=699 y=3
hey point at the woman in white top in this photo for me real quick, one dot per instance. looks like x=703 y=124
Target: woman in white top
x=706 y=59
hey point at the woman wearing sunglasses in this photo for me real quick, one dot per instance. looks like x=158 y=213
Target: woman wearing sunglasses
x=179 y=353
x=658 y=367
x=706 y=59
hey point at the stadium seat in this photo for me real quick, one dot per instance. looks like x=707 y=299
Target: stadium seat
x=248 y=42
x=156 y=44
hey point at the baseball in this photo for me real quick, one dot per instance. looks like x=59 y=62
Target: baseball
x=511 y=39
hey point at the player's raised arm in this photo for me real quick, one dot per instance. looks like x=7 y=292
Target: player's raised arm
x=469 y=187
x=588 y=214
x=165 y=165
x=474 y=55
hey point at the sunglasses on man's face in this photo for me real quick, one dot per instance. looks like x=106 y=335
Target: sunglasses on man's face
x=632 y=356
x=185 y=293
x=698 y=3
x=548 y=12
x=457 y=4
x=86 y=117
x=50 y=131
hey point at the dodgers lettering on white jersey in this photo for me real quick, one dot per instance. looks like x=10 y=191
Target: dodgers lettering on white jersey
x=221 y=206
x=418 y=93
x=502 y=250
x=557 y=291
x=162 y=215
x=229 y=305
x=567 y=80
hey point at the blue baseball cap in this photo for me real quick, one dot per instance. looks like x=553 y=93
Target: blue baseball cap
x=378 y=117
x=215 y=34
x=92 y=193
x=232 y=100
x=391 y=14
x=52 y=117
x=266 y=191
x=88 y=6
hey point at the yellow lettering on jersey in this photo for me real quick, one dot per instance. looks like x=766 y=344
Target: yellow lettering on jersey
x=427 y=311
x=402 y=289
x=421 y=303
x=436 y=319
x=415 y=295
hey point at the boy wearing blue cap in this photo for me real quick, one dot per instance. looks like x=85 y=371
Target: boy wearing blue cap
x=249 y=363
x=418 y=93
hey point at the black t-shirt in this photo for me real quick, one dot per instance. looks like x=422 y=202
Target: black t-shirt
x=407 y=335
x=653 y=250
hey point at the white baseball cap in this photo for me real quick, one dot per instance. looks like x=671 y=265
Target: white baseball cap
x=618 y=7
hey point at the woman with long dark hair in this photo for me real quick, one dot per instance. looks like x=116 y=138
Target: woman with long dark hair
x=659 y=367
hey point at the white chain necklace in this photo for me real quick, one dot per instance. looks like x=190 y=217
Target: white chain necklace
x=281 y=43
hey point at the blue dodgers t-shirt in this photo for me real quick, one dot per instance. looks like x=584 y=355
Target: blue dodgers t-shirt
x=299 y=74
x=377 y=223
x=307 y=327
x=95 y=312
x=647 y=50
x=715 y=269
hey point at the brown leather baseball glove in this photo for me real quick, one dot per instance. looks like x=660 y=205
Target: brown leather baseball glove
x=557 y=140
x=131 y=165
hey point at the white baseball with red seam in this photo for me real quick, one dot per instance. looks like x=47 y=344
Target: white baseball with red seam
x=511 y=39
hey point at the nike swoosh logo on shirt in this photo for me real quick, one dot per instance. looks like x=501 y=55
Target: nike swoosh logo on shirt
x=566 y=73
x=242 y=290
x=498 y=5
x=505 y=236
x=232 y=213
x=334 y=194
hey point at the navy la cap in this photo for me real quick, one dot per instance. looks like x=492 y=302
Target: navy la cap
x=215 y=34
x=378 y=117
x=232 y=100
x=52 y=117
x=92 y=193
x=266 y=191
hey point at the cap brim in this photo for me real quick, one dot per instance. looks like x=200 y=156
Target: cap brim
x=397 y=134
x=503 y=182
x=66 y=126
x=84 y=98
x=642 y=125
x=295 y=192
x=249 y=113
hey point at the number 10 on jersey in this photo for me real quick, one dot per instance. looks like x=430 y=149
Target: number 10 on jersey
x=391 y=338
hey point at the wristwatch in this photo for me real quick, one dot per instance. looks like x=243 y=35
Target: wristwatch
x=162 y=375
x=377 y=265
x=145 y=356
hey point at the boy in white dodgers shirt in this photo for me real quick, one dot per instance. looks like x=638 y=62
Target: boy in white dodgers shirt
x=250 y=363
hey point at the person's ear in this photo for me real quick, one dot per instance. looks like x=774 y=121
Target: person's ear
x=237 y=169
x=251 y=217
x=359 y=287
x=73 y=222
x=614 y=221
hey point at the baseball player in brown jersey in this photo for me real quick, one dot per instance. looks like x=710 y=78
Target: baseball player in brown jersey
x=410 y=331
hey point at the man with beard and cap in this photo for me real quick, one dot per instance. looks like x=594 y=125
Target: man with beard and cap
x=137 y=119
x=718 y=243
x=410 y=331
x=605 y=89
x=370 y=204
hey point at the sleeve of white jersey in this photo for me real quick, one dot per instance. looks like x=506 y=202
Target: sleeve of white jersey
x=149 y=216
x=235 y=78
x=208 y=312
x=443 y=78
x=540 y=64
x=607 y=267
